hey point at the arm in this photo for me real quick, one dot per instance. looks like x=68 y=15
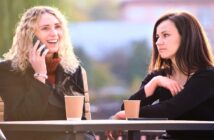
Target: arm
x=161 y=81
x=24 y=100
x=34 y=101
x=37 y=61
x=25 y=97
x=141 y=94
x=197 y=90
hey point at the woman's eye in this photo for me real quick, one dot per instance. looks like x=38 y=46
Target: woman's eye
x=58 y=26
x=45 y=28
x=165 y=35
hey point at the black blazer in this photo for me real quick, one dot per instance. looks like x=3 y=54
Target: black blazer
x=26 y=98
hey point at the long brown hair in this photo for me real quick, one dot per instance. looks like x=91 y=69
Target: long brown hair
x=194 y=52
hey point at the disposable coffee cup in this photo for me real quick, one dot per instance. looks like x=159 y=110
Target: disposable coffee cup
x=74 y=107
x=132 y=108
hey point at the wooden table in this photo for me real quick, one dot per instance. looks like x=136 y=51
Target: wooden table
x=78 y=128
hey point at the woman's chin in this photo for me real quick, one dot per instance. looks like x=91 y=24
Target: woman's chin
x=52 y=51
x=165 y=57
x=50 y=54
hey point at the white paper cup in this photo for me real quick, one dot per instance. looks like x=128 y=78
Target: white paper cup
x=74 y=107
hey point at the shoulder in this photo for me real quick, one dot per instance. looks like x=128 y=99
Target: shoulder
x=157 y=72
x=207 y=73
x=77 y=75
x=8 y=74
x=77 y=71
x=5 y=65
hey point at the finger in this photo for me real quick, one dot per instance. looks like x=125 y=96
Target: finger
x=40 y=50
x=179 y=87
x=45 y=52
x=32 y=55
x=41 y=47
x=36 y=45
x=120 y=115
x=32 y=51
x=176 y=88
x=173 y=90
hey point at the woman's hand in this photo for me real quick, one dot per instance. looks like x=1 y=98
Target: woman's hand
x=162 y=81
x=37 y=61
x=119 y=115
x=169 y=84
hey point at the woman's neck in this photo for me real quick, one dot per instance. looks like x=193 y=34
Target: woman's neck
x=178 y=75
x=48 y=57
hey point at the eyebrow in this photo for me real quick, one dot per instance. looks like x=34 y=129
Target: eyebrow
x=46 y=25
x=164 y=31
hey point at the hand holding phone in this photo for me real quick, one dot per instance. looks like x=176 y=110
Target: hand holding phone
x=35 y=38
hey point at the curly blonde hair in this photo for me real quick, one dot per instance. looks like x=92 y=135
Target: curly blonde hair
x=22 y=40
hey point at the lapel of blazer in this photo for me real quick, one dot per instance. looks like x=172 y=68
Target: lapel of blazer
x=69 y=83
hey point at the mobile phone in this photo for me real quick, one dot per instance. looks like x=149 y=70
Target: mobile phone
x=35 y=38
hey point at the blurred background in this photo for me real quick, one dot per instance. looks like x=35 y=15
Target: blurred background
x=112 y=38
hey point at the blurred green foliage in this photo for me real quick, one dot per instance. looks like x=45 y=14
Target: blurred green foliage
x=130 y=62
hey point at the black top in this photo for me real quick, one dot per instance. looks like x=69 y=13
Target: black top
x=194 y=102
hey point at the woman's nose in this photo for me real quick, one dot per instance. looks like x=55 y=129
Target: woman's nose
x=53 y=32
x=159 y=41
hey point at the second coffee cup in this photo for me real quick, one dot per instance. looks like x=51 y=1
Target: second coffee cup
x=132 y=108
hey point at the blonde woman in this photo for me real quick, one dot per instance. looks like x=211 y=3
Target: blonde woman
x=39 y=69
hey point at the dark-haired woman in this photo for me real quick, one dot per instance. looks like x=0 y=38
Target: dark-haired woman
x=181 y=74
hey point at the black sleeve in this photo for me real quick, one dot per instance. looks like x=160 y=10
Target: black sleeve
x=25 y=97
x=34 y=102
x=197 y=90
x=140 y=94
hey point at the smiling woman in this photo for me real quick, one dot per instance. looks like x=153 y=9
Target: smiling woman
x=35 y=77
x=49 y=32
